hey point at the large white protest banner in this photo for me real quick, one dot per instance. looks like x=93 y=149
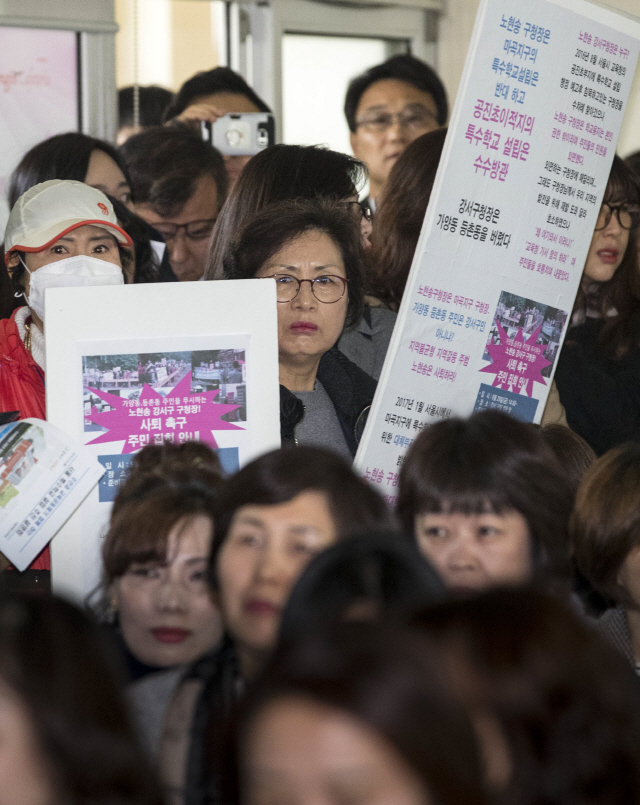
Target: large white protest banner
x=133 y=365
x=498 y=264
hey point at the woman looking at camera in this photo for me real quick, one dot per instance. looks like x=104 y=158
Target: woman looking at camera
x=312 y=252
x=598 y=374
x=59 y=234
x=154 y=591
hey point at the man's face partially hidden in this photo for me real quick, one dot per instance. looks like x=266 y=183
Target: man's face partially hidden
x=390 y=115
x=187 y=233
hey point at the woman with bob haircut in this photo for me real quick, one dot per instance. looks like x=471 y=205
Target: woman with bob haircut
x=364 y=713
x=605 y=538
x=565 y=708
x=297 y=172
x=65 y=734
x=598 y=373
x=271 y=518
x=486 y=502
x=154 y=589
x=311 y=251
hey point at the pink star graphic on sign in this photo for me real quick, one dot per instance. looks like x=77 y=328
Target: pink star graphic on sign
x=152 y=419
x=517 y=362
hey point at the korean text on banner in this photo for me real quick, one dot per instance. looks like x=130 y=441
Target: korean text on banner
x=194 y=361
x=43 y=480
x=508 y=227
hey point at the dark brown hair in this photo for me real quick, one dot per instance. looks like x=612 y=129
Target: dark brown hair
x=281 y=173
x=574 y=455
x=400 y=216
x=489 y=462
x=166 y=484
x=605 y=524
x=567 y=704
x=58 y=663
x=622 y=291
x=386 y=678
x=279 y=224
x=281 y=475
x=165 y=163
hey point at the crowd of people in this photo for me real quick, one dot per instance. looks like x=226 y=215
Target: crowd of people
x=280 y=635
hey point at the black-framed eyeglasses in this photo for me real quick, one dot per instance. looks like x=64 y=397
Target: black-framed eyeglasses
x=328 y=288
x=361 y=210
x=416 y=118
x=628 y=215
x=194 y=230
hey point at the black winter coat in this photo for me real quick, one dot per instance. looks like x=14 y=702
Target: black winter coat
x=601 y=396
x=350 y=390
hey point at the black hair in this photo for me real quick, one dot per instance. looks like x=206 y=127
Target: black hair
x=390 y=681
x=373 y=576
x=403 y=68
x=64 y=156
x=566 y=703
x=281 y=475
x=633 y=162
x=279 y=224
x=622 y=292
x=165 y=164
x=57 y=661
x=153 y=102
x=209 y=82
x=147 y=263
x=489 y=462
x=282 y=173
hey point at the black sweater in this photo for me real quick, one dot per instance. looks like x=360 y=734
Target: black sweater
x=601 y=395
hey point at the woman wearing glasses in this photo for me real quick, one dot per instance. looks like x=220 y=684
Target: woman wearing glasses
x=312 y=252
x=598 y=373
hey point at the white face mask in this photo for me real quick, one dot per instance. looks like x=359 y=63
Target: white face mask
x=72 y=272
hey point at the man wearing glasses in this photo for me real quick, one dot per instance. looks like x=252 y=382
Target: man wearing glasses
x=386 y=108
x=179 y=184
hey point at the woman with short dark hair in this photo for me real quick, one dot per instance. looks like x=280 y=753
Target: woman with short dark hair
x=563 y=709
x=306 y=172
x=65 y=734
x=605 y=538
x=272 y=517
x=486 y=501
x=364 y=713
x=311 y=249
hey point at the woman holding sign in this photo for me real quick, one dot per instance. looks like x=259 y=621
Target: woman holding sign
x=312 y=251
x=59 y=234
x=598 y=374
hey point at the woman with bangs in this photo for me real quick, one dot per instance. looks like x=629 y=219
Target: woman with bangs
x=486 y=502
x=598 y=374
x=155 y=592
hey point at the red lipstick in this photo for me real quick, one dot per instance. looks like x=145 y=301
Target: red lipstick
x=166 y=635
x=259 y=606
x=303 y=327
x=608 y=256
